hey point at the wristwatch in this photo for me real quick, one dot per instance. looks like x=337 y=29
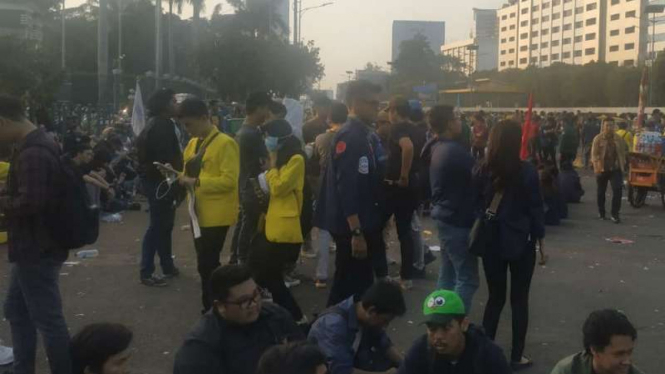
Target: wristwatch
x=357 y=232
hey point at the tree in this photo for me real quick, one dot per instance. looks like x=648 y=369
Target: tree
x=28 y=72
x=417 y=65
x=239 y=54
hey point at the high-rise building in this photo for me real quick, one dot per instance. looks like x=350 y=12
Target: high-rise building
x=481 y=52
x=277 y=12
x=543 y=32
x=20 y=18
x=434 y=32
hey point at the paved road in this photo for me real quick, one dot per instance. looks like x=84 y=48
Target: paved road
x=585 y=272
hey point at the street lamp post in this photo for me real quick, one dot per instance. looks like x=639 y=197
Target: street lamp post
x=300 y=13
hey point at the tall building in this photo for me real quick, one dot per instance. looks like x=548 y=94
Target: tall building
x=20 y=18
x=277 y=12
x=656 y=28
x=481 y=52
x=543 y=32
x=435 y=32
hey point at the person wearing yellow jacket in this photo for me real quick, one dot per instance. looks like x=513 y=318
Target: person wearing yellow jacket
x=284 y=181
x=212 y=166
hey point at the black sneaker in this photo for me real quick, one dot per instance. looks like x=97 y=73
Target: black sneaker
x=173 y=274
x=601 y=217
x=419 y=273
x=154 y=282
x=429 y=256
x=616 y=219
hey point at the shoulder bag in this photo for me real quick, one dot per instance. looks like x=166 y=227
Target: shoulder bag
x=484 y=227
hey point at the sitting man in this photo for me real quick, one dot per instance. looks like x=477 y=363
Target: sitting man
x=609 y=341
x=233 y=335
x=352 y=333
x=452 y=344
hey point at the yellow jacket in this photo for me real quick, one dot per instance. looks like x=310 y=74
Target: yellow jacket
x=628 y=137
x=217 y=190
x=283 y=218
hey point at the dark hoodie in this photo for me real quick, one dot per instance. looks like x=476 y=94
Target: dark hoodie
x=217 y=347
x=480 y=356
x=30 y=198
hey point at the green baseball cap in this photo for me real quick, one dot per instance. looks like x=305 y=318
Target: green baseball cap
x=441 y=306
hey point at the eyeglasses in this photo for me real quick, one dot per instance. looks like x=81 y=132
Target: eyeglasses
x=246 y=302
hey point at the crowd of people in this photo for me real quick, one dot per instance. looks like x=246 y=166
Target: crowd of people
x=489 y=184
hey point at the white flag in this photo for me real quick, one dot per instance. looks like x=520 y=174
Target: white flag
x=138 y=113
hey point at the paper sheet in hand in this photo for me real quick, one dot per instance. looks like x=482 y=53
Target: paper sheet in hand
x=196 y=229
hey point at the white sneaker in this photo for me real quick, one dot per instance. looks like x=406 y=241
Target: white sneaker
x=307 y=254
x=291 y=282
x=6 y=355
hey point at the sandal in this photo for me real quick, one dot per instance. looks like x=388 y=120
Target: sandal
x=525 y=363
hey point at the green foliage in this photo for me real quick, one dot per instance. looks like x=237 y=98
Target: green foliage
x=596 y=84
x=25 y=71
x=417 y=65
x=235 y=53
x=239 y=55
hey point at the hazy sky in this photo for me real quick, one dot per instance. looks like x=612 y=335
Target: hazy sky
x=351 y=33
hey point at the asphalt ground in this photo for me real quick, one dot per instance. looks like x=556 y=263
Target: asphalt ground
x=586 y=272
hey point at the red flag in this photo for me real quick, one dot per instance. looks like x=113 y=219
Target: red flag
x=527 y=130
x=644 y=86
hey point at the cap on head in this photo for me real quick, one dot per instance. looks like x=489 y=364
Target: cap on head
x=442 y=306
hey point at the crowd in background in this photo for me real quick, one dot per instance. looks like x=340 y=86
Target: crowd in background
x=355 y=172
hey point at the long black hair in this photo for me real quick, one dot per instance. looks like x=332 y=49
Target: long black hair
x=503 y=161
x=288 y=147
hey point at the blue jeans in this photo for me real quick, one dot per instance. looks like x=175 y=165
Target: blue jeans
x=323 y=244
x=157 y=238
x=34 y=304
x=418 y=245
x=459 y=268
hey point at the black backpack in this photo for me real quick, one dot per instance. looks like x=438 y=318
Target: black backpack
x=73 y=218
x=75 y=221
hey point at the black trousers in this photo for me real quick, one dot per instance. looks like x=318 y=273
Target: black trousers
x=401 y=204
x=615 y=178
x=548 y=153
x=208 y=249
x=521 y=273
x=478 y=152
x=248 y=221
x=268 y=261
x=354 y=276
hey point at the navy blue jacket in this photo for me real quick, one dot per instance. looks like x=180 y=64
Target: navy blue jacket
x=451 y=168
x=353 y=181
x=521 y=215
x=480 y=356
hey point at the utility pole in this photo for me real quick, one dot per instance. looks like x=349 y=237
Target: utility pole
x=296 y=16
x=158 y=43
x=63 y=40
x=102 y=53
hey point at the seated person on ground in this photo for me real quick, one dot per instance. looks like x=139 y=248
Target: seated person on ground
x=452 y=344
x=101 y=348
x=569 y=183
x=293 y=358
x=232 y=336
x=609 y=341
x=352 y=333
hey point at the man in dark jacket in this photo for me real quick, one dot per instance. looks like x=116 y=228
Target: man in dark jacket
x=452 y=345
x=33 y=298
x=233 y=335
x=159 y=142
x=452 y=205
